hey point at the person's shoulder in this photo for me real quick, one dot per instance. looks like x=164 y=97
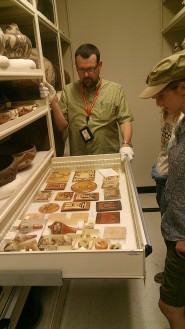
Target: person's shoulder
x=111 y=84
x=71 y=87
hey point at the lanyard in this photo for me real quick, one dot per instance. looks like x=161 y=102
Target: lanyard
x=87 y=108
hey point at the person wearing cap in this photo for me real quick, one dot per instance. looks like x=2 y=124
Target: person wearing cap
x=166 y=84
x=160 y=169
x=94 y=110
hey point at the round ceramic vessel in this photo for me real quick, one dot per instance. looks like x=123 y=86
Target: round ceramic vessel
x=8 y=169
x=17 y=45
x=2 y=42
x=24 y=154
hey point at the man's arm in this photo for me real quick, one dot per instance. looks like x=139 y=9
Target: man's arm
x=126 y=133
x=60 y=122
x=47 y=90
x=126 y=148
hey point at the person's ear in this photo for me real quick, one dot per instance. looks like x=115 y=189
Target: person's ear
x=100 y=64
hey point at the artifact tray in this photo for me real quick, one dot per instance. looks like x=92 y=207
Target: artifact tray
x=82 y=219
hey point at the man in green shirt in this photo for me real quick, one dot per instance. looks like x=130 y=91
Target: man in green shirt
x=93 y=109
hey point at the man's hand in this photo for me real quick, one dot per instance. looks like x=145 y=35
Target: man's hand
x=46 y=90
x=126 y=151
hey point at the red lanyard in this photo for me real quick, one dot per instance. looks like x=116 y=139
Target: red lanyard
x=89 y=109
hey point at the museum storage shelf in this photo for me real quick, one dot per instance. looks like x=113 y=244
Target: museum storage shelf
x=13 y=125
x=48 y=39
x=45 y=36
x=28 y=177
x=27 y=21
x=173 y=24
x=11 y=305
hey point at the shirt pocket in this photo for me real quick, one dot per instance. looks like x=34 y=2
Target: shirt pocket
x=107 y=111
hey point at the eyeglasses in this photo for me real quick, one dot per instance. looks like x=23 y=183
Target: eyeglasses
x=89 y=70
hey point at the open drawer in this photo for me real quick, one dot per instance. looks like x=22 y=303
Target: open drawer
x=97 y=221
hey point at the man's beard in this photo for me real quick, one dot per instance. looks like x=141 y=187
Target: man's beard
x=89 y=83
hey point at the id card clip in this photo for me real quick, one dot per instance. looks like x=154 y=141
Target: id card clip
x=86 y=134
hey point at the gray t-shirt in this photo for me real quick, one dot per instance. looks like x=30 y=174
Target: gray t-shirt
x=173 y=220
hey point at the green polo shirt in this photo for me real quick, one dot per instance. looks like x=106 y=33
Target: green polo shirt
x=109 y=111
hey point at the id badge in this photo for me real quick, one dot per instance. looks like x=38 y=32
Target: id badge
x=86 y=134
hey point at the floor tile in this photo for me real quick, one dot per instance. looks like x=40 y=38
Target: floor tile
x=148 y=200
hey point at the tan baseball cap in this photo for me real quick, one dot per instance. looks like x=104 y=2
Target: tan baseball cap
x=169 y=69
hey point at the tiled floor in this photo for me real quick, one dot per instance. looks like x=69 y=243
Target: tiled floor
x=120 y=303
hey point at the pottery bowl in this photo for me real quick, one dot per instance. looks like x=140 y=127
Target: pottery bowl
x=23 y=153
x=8 y=169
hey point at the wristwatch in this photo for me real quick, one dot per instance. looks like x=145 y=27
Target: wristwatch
x=127 y=142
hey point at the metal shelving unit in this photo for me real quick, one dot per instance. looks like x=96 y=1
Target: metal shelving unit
x=173 y=24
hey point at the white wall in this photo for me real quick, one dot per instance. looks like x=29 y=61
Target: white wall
x=128 y=34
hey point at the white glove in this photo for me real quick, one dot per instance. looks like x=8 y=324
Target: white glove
x=126 y=151
x=46 y=90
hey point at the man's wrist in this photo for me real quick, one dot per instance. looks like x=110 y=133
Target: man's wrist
x=54 y=100
x=127 y=143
